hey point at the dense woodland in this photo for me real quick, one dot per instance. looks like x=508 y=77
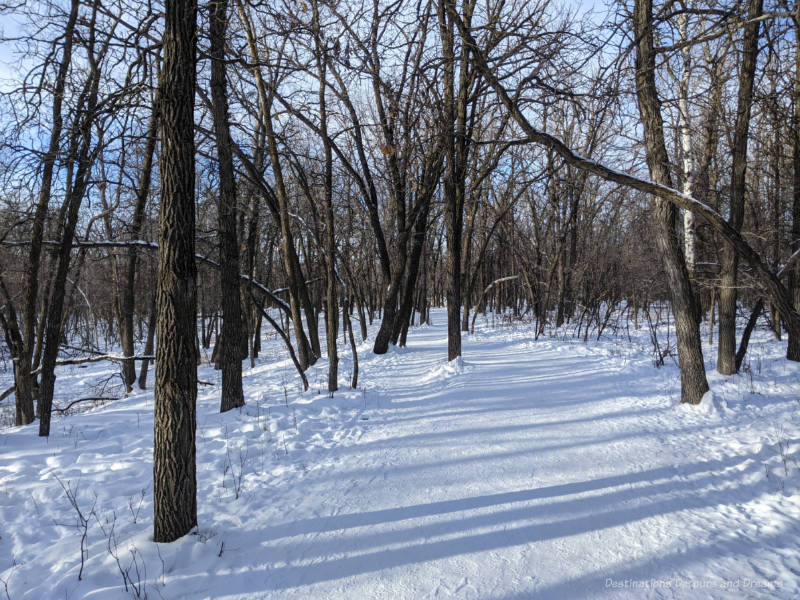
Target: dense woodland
x=181 y=176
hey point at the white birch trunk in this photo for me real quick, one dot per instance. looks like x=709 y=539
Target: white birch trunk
x=689 y=232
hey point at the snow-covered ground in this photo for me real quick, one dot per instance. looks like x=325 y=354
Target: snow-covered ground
x=531 y=469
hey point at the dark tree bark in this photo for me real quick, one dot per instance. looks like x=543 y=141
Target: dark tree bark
x=84 y=155
x=748 y=330
x=23 y=366
x=793 y=349
x=726 y=356
x=407 y=299
x=690 y=353
x=277 y=201
x=10 y=324
x=148 y=346
x=348 y=325
x=456 y=150
x=331 y=307
x=230 y=354
x=453 y=200
x=384 y=335
x=128 y=290
x=174 y=470
x=252 y=251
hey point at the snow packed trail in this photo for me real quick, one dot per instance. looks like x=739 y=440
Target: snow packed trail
x=531 y=469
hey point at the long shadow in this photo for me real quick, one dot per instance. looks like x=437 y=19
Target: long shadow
x=321 y=569
x=659 y=492
x=592 y=389
x=494 y=456
x=648 y=494
x=348 y=521
x=451 y=439
x=662 y=570
x=535 y=372
x=526 y=398
x=631 y=413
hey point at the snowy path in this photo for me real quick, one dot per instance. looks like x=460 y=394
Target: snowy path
x=528 y=469
x=531 y=470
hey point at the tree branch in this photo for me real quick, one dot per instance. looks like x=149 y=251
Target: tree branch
x=765 y=276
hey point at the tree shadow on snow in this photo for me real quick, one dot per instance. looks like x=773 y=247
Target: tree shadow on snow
x=624 y=499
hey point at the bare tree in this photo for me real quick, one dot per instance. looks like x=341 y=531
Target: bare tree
x=23 y=365
x=690 y=354
x=726 y=356
x=231 y=359
x=174 y=476
x=455 y=103
x=793 y=351
x=83 y=150
x=331 y=305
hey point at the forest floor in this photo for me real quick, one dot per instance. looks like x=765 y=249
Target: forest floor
x=529 y=469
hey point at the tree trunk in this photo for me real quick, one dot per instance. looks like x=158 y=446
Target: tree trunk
x=148 y=346
x=24 y=411
x=76 y=190
x=331 y=307
x=128 y=290
x=748 y=330
x=712 y=316
x=349 y=326
x=174 y=470
x=690 y=355
x=689 y=229
x=726 y=356
x=26 y=382
x=793 y=348
x=456 y=150
x=406 y=303
x=231 y=361
x=384 y=335
x=252 y=251
x=401 y=322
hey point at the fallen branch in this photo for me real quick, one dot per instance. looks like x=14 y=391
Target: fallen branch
x=87 y=350
x=91 y=399
x=102 y=357
x=93 y=359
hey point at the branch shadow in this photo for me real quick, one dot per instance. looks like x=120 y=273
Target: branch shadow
x=638 y=496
